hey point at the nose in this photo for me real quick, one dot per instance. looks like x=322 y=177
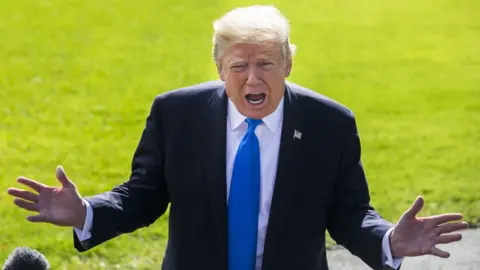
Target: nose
x=253 y=75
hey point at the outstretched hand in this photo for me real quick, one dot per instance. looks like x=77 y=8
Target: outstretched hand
x=415 y=236
x=62 y=206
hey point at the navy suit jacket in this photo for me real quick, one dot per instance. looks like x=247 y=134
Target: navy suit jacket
x=180 y=161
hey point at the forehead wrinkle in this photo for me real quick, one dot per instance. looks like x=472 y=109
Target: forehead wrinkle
x=240 y=56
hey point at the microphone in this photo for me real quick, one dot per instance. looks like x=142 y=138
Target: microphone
x=24 y=258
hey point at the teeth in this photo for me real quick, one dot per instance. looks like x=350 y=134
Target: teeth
x=255 y=102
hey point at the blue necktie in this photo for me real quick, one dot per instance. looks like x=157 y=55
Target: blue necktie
x=243 y=202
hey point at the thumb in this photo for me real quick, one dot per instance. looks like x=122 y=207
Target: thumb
x=415 y=208
x=62 y=177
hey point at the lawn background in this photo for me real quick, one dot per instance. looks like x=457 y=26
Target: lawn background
x=77 y=79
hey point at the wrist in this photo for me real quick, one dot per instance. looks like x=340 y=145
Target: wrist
x=81 y=215
x=395 y=245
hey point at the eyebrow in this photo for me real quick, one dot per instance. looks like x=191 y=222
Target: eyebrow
x=262 y=56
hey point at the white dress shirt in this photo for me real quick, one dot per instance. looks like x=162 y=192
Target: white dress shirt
x=268 y=133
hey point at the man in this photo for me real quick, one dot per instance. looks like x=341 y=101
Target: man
x=254 y=168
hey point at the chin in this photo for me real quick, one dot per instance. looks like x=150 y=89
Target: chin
x=256 y=113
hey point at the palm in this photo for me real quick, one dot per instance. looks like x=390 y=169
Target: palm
x=421 y=236
x=57 y=205
x=414 y=236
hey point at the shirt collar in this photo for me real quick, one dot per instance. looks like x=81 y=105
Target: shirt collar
x=271 y=121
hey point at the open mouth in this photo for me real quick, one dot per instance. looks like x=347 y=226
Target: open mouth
x=255 y=98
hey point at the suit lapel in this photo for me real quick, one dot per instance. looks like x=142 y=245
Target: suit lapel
x=215 y=157
x=214 y=136
x=281 y=205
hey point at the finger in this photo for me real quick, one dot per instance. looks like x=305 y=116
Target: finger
x=444 y=218
x=62 y=177
x=415 y=208
x=451 y=227
x=445 y=239
x=26 y=205
x=35 y=185
x=24 y=194
x=439 y=253
x=37 y=218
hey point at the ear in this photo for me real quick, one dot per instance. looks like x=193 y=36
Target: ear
x=220 y=70
x=288 y=67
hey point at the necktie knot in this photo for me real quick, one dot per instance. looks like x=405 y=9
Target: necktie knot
x=252 y=124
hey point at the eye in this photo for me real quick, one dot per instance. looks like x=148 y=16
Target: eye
x=238 y=67
x=266 y=64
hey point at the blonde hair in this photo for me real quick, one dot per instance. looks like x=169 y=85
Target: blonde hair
x=252 y=24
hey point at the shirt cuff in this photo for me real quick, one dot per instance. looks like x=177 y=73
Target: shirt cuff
x=388 y=260
x=84 y=234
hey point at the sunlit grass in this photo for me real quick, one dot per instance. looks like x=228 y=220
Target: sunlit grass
x=77 y=79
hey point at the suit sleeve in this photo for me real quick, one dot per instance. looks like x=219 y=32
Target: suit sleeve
x=352 y=222
x=139 y=201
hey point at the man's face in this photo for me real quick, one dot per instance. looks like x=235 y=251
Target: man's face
x=254 y=76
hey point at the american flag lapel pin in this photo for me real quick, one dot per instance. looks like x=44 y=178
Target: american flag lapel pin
x=297 y=134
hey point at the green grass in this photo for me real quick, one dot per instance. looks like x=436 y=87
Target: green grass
x=77 y=79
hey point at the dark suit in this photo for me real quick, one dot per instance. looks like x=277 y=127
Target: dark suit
x=180 y=160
